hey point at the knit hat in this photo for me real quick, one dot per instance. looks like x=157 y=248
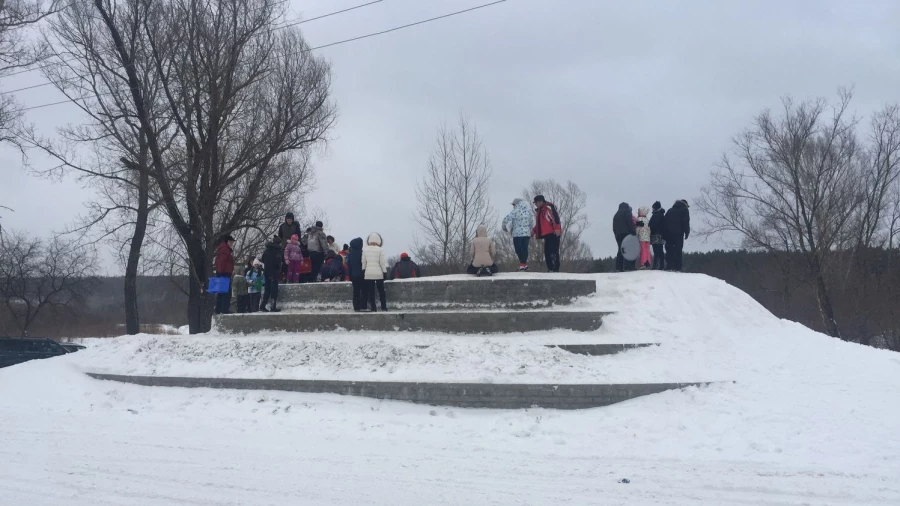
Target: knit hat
x=656 y=205
x=539 y=198
x=295 y=237
x=683 y=201
x=516 y=201
x=319 y=224
x=276 y=239
x=289 y=216
x=404 y=256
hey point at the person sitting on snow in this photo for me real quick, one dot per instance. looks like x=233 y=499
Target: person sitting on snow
x=405 y=268
x=482 y=251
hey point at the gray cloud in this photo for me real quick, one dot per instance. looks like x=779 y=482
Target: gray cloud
x=634 y=101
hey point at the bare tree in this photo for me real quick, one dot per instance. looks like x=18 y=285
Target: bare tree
x=881 y=171
x=471 y=183
x=36 y=275
x=438 y=208
x=570 y=201
x=82 y=63
x=793 y=185
x=453 y=198
x=244 y=104
x=16 y=52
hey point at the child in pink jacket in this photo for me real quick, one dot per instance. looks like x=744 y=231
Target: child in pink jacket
x=293 y=257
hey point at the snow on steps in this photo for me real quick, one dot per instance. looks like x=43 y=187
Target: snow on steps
x=453 y=322
x=463 y=395
x=505 y=290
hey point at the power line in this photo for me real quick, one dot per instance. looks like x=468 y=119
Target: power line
x=322 y=46
x=286 y=25
x=482 y=6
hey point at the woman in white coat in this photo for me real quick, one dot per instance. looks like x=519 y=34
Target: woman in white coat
x=374 y=265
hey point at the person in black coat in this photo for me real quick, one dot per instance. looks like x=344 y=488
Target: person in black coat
x=357 y=280
x=623 y=226
x=658 y=236
x=405 y=268
x=678 y=228
x=272 y=259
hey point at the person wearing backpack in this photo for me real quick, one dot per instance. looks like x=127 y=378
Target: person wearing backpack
x=547 y=226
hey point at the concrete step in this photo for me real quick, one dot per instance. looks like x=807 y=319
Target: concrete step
x=512 y=292
x=594 y=350
x=453 y=322
x=467 y=395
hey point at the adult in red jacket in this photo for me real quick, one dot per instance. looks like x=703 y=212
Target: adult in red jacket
x=548 y=228
x=224 y=269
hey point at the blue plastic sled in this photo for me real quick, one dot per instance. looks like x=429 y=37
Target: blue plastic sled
x=219 y=285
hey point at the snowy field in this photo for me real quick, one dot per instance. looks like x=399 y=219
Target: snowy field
x=809 y=420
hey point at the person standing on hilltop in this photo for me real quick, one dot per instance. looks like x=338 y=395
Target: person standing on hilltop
x=357 y=275
x=658 y=236
x=374 y=265
x=224 y=269
x=623 y=225
x=272 y=260
x=678 y=228
x=518 y=223
x=317 y=243
x=547 y=226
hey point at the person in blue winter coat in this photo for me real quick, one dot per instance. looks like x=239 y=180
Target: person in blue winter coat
x=518 y=223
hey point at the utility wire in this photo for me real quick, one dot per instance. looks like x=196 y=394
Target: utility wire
x=290 y=23
x=322 y=46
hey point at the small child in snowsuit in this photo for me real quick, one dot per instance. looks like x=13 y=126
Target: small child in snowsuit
x=645 y=261
x=239 y=290
x=293 y=257
x=255 y=281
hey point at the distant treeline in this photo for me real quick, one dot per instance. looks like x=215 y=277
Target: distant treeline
x=866 y=297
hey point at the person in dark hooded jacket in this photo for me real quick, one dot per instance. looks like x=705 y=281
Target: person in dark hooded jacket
x=357 y=281
x=658 y=236
x=272 y=259
x=405 y=268
x=678 y=228
x=623 y=226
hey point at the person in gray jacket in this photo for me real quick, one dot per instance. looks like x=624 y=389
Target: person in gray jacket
x=317 y=244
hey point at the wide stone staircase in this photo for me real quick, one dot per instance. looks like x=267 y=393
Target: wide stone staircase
x=473 y=306
x=502 y=305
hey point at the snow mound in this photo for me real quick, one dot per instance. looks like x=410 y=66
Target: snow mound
x=808 y=419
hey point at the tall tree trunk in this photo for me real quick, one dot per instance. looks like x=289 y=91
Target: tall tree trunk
x=824 y=300
x=200 y=306
x=132 y=318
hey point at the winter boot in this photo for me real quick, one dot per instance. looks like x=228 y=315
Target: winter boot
x=523 y=267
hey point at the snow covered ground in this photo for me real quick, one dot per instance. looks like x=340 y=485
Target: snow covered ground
x=809 y=420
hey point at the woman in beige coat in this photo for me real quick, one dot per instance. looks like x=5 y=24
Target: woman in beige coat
x=482 y=251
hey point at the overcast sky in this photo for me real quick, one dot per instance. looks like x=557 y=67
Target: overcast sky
x=634 y=101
